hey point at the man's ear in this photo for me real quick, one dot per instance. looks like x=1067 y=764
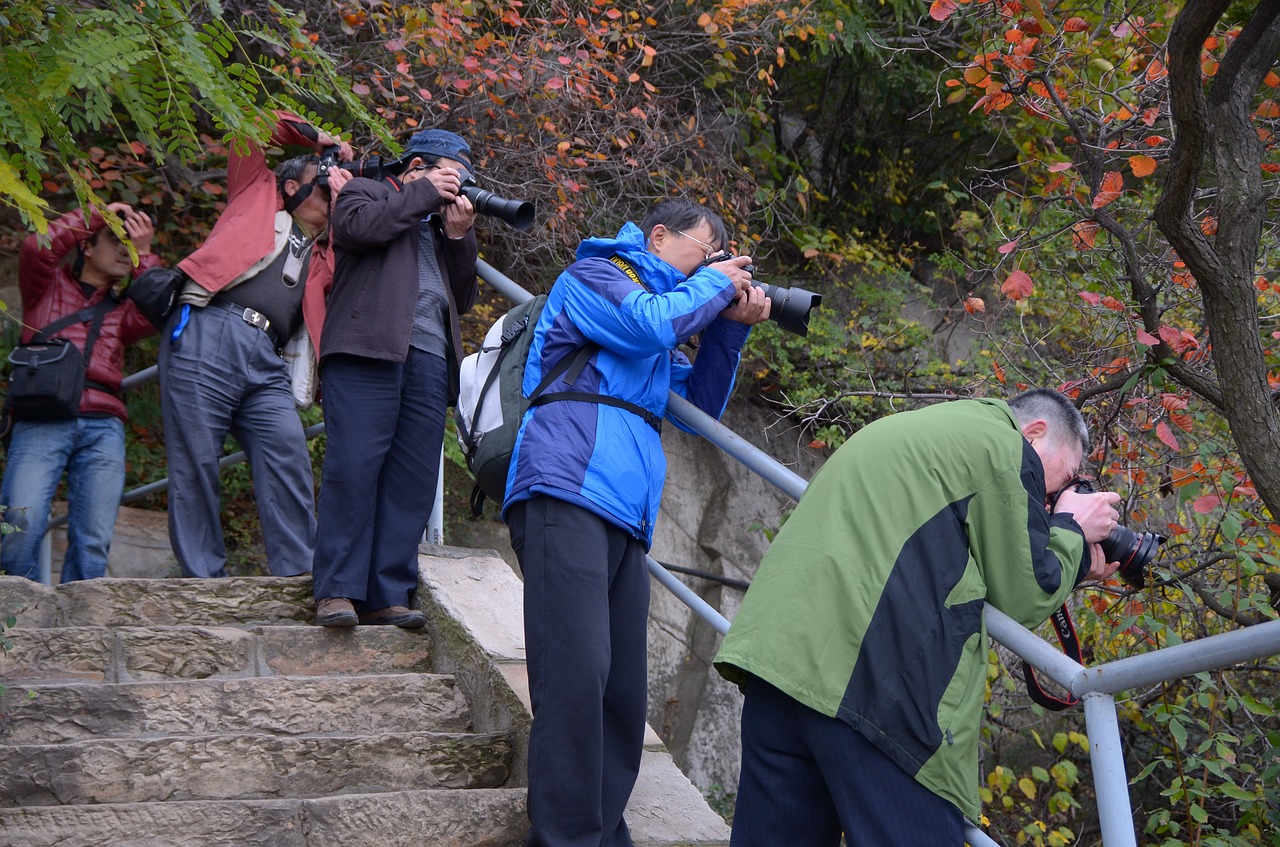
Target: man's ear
x=291 y=187
x=1035 y=429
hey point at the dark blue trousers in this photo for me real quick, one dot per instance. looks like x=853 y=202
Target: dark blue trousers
x=806 y=778
x=384 y=423
x=586 y=607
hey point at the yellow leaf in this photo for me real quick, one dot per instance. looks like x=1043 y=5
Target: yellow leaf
x=1027 y=787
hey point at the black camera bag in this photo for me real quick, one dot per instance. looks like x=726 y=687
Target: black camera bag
x=47 y=375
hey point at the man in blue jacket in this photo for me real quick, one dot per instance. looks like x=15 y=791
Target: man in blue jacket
x=583 y=492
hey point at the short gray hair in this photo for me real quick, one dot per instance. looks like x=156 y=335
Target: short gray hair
x=1063 y=417
x=292 y=169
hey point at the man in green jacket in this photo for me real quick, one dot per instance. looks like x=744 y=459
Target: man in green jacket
x=861 y=646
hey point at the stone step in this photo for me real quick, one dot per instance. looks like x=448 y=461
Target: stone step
x=431 y=818
x=285 y=706
x=248 y=767
x=130 y=653
x=159 y=602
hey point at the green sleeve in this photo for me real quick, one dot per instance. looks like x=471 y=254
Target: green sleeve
x=1030 y=560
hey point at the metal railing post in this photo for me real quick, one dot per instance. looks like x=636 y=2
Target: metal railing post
x=46 y=554
x=1115 y=815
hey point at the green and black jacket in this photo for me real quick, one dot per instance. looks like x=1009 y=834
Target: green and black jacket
x=868 y=605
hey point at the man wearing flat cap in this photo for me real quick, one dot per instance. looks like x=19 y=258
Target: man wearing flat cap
x=405 y=269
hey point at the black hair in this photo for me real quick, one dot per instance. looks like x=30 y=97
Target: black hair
x=1063 y=417
x=77 y=265
x=679 y=214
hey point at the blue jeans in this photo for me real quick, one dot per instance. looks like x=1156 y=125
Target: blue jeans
x=91 y=451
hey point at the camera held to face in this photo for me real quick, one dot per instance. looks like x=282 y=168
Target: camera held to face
x=1133 y=550
x=791 y=306
x=517 y=213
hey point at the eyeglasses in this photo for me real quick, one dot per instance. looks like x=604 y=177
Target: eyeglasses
x=704 y=245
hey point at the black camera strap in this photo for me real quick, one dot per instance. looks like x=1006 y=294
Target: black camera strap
x=1066 y=632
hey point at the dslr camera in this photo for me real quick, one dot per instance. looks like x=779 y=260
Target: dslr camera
x=791 y=306
x=517 y=213
x=1133 y=550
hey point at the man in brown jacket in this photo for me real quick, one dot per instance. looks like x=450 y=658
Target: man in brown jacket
x=405 y=267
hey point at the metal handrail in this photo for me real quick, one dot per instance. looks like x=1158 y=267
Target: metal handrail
x=1094 y=686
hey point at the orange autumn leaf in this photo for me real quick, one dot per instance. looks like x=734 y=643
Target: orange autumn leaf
x=1272 y=80
x=975 y=75
x=1075 y=25
x=1112 y=187
x=1084 y=235
x=1268 y=109
x=1142 y=165
x=1166 y=436
x=1018 y=286
x=974 y=304
x=1156 y=70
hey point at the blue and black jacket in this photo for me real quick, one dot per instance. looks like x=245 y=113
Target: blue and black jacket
x=637 y=308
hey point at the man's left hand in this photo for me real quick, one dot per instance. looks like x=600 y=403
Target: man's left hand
x=459 y=217
x=751 y=307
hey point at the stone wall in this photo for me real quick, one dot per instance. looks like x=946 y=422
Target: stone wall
x=715 y=515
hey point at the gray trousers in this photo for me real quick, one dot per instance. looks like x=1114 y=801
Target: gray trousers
x=220 y=376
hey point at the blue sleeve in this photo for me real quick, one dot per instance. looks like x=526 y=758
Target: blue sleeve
x=708 y=382
x=614 y=312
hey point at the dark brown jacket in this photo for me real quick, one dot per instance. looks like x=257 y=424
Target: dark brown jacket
x=374 y=226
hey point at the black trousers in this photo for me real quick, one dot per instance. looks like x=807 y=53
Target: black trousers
x=807 y=777
x=586 y=605
x=385 y=423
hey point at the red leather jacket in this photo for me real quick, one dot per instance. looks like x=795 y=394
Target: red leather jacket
x=49 y=292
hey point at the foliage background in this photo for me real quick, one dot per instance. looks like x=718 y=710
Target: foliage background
x=896 y=156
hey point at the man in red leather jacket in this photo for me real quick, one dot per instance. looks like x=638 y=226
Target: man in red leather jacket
x=90 y=446
x=258 y=280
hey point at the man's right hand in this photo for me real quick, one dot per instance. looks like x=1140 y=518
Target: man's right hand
x=1095 y=513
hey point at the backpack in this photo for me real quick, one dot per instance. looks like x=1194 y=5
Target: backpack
x=492 y=403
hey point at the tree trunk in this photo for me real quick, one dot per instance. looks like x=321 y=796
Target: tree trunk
x=1221 y=124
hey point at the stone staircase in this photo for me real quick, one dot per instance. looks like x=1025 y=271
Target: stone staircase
x=209 y=712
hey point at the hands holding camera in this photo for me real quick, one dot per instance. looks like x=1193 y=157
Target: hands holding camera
x=751 y=306
x=137 y=225
x=459 y=214
x=1098 y=517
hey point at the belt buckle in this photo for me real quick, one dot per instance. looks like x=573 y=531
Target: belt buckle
x=256 y=319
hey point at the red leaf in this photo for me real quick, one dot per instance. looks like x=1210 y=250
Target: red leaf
x=974 y=304
x=1090 y=297
x=1075 y=25
x=1147 y=338
x=1206 y=504
x=1018 y=286
x=1058 y=167
x=1008 y=247
x=943 y=9
x=1166 y=435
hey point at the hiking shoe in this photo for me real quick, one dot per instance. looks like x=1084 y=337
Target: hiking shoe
x=395 y=616
x=335 y=611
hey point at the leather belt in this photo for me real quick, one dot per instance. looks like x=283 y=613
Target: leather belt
x=253 y=318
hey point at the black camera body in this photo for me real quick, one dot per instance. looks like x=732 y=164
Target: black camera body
x=1133 y=550
x=790 y=306
x=372 y=167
